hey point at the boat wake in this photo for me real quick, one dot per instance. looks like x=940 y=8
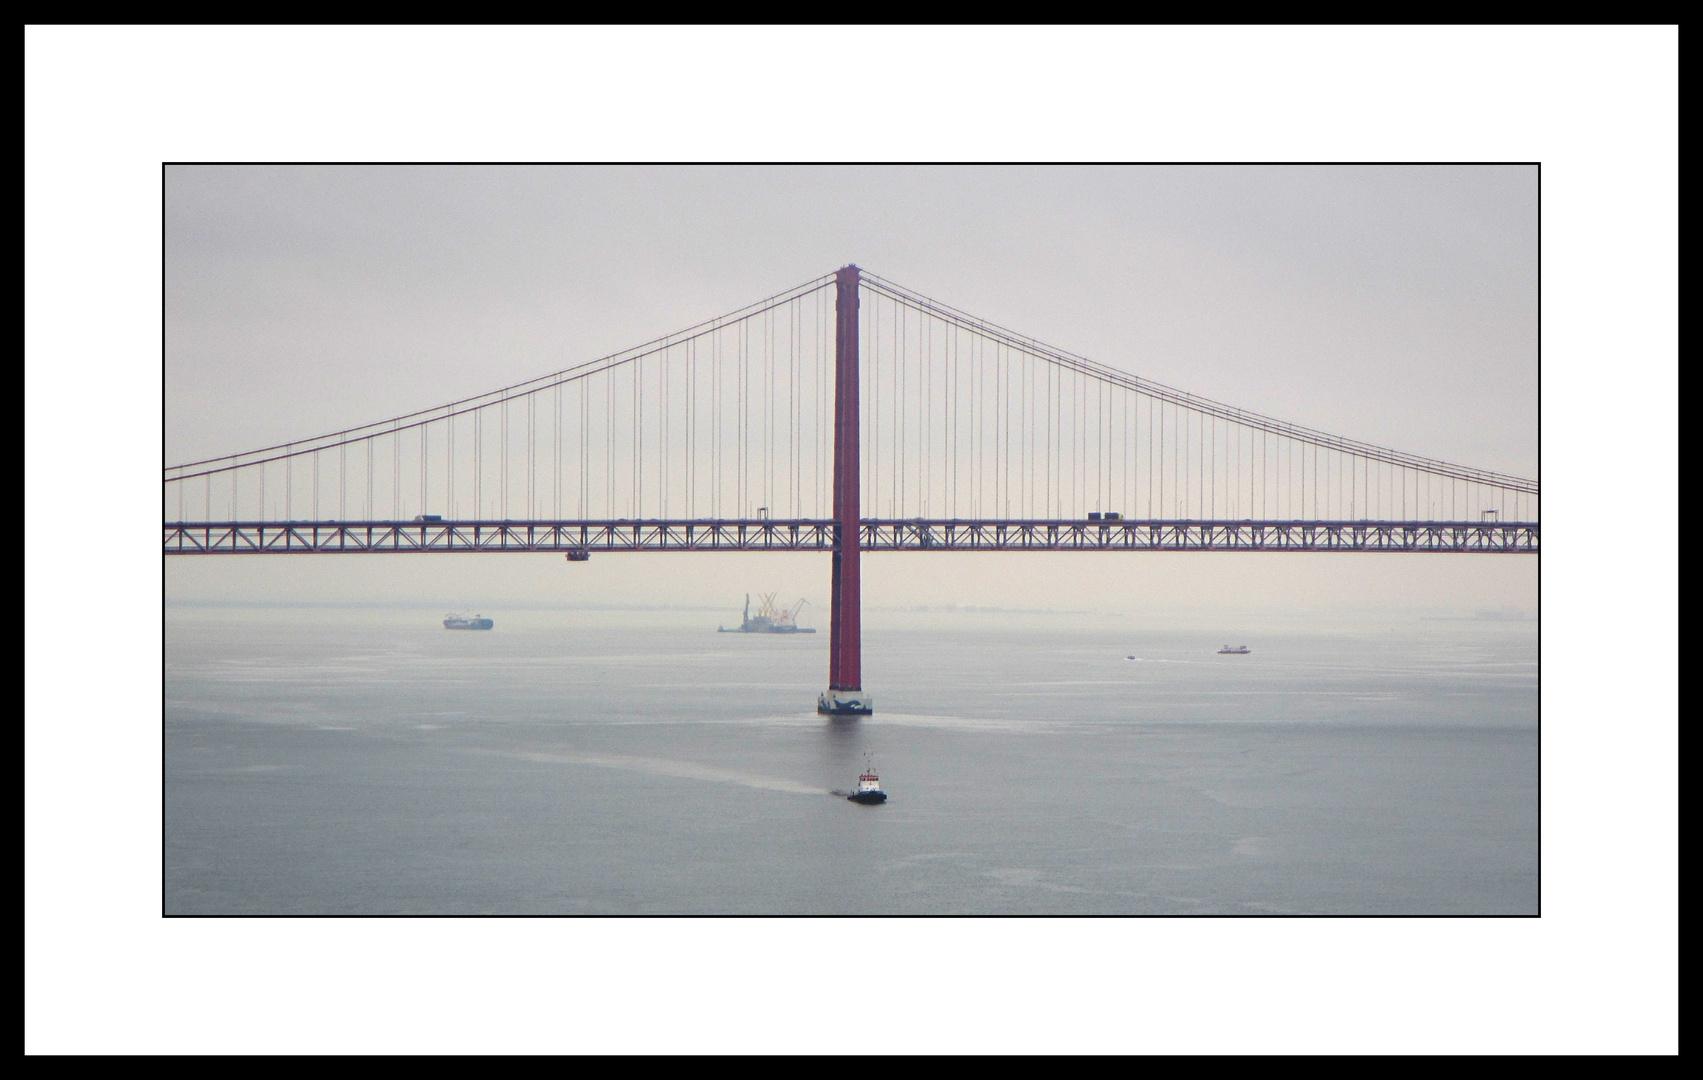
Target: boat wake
x=689 y=770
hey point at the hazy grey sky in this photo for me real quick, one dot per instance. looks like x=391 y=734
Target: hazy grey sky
x=1393 y=304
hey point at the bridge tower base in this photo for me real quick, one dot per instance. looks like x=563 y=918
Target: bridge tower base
x=845 y=696
x=845 y=703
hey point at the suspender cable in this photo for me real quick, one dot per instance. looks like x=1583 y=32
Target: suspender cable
x=716 y=397
x=771 y=461
x=899 y=400
x=792 y=472
x=744 y=416
x=691 y=429
x=556 y=445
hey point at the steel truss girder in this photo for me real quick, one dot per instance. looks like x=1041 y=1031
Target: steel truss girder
x=1291 y=536
x=395 y=537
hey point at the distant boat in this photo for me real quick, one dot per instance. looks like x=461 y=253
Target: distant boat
x=769 y=619
x=1240 y=650
x=465 y=622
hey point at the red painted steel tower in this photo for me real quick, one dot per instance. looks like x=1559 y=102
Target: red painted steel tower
x=845 y=696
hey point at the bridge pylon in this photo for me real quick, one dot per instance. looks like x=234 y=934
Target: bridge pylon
x=845 y=696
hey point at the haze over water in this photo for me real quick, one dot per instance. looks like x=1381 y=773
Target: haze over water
x=367 y=761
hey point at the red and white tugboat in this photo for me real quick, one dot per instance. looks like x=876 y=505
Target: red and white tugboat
x=868 y=789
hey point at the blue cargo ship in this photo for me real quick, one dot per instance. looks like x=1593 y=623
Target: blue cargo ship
x=463 y=622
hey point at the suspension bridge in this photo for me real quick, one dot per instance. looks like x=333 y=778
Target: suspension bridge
x=844 y=415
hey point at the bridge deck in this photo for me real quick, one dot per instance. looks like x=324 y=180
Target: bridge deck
x=391 y=537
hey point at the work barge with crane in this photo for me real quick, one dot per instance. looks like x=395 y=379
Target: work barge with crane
x=769 y=619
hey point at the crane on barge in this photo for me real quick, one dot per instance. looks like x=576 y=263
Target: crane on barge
x=769 y=619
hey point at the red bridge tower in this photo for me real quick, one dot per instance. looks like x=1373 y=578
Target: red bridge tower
x=845 y=696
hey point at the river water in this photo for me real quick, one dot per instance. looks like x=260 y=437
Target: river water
x=367 y=761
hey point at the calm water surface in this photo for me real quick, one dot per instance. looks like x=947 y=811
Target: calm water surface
x=347 y=761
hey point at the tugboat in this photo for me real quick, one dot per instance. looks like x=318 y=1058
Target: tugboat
x=1240 y=650
x=868 y=789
